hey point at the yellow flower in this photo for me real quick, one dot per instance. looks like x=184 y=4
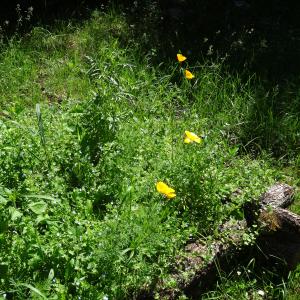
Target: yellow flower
x=180 y=57
x=165 y=190
x=190 y=137
x=188 y=74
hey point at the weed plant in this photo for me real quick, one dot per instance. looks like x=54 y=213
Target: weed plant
x=80 y=216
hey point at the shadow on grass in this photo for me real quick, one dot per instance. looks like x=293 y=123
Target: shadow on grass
x=263 y=37
x=273 y=121
x=248 y=37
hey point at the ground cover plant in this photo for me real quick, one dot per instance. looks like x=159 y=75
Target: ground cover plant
x=110 y=164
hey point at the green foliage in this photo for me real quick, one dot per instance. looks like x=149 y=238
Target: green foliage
x=79 y=212
x=251 y=280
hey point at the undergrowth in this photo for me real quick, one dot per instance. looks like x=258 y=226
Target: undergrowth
x=88 y=127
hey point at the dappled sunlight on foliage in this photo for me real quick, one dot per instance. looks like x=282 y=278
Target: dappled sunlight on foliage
x=110 y=164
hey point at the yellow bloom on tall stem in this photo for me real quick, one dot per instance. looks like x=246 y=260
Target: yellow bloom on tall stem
x=180 y=57
x=190 y=137
x=164 y=189
x=188 y=74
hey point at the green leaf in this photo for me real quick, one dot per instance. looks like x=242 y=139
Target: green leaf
x=37 y=196
x=3 y=200
x=44 y=197
x=14 y=213
x=51 y=275
x=33 y=289
x=38 y=207
x=41 y=218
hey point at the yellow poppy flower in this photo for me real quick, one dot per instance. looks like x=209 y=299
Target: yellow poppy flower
x=190 y=137
x=188 y=74
x=180 y=57
x=164 y=189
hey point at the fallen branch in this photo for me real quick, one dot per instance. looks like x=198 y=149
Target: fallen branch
x=198 y=267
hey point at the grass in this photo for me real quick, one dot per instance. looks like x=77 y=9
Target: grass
x=251 y=281
x=80 y=214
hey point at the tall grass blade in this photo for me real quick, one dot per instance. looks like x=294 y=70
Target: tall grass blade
x=40 y=124
x=33 y=289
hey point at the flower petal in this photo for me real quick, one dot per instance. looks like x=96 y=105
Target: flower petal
x=193 y=137
x=171 y=195
x=187 y=140
x=188 y=74
x=180 y=57
x=164 y=189
x=161 y=187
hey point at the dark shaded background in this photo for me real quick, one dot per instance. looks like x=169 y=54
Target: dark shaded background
x=263 y=36
x=43 y=8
